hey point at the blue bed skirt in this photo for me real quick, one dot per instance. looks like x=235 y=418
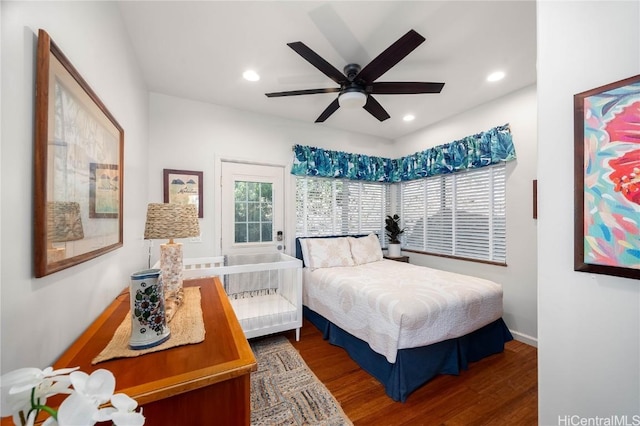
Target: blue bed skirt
x=416 y=366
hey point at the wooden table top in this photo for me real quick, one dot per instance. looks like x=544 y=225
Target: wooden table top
x=224 y=354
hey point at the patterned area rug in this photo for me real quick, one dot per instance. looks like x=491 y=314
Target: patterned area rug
x=284 y=391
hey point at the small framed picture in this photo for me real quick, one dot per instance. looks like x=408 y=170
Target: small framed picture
x=183 y=187
x=104 y=190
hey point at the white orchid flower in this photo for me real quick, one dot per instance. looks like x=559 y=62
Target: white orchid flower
x=89 y=392
x=16 y=389
x=14 y=404
x=77 y=410
x=98 y=387
x=28 y=378
x=122 y=413
x=24 y=393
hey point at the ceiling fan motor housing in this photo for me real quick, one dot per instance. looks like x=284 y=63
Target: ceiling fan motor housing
x=351 y=71
x=352 y=86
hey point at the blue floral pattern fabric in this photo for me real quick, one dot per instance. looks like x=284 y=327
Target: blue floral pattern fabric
x=312 y=161
x=480 y=150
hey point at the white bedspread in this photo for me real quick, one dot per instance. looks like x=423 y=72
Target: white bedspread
x=394 y=305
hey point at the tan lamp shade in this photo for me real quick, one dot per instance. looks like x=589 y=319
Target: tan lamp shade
x=168 y=221
x=64 y=222
x=171 y=221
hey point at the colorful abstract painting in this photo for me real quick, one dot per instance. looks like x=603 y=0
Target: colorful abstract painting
x=609 y=120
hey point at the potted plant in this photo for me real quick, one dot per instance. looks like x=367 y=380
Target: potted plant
x=392 y=227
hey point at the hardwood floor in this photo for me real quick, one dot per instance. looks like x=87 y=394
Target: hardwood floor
x=498 y=390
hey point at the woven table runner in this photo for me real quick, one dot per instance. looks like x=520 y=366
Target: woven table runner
x=187 y=327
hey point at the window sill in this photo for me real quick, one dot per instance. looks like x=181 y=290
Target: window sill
x=468 y=259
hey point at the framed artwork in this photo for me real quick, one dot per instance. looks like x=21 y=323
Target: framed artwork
x=183 y=187
x=104 y=180
x=78 y=147
x=607 y=179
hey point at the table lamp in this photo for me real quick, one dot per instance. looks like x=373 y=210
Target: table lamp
x=63 y=224
x=169 y=221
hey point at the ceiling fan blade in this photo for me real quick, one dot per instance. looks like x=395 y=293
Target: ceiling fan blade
x=333 y=107
x=391 y=56
x=375 y=109
x=338 y=34
x=404 y=88
x=314 y=59
x=303 y=92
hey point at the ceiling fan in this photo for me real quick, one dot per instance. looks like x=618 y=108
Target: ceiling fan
x=358 y=84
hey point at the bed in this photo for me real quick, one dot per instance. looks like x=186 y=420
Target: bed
x=402 y=323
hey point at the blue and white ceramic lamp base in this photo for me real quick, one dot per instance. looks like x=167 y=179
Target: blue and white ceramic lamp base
x=148 y=319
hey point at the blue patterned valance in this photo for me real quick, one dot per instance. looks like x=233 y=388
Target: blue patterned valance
x=311 y=161
x=480 y=150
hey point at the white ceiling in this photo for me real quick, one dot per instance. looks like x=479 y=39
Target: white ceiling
x=199 y=50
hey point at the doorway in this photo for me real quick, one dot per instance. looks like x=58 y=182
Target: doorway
x=252 y=213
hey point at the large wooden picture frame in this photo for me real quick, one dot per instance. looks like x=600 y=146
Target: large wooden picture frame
x=607 y=179
x=78 y=146
x=183 y=187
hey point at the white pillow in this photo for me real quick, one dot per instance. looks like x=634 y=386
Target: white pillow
x=327 y=252
x=305 y=252
x=365 y=249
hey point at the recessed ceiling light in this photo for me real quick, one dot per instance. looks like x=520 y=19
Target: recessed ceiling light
x=495 y=76
x=409 y=117
x=251 y=75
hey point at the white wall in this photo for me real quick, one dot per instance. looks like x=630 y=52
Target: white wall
x=589 y=325
x=191 y=135
x=42 y=317
x=518 y=279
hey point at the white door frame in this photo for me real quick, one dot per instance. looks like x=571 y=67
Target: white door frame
x=289 y=202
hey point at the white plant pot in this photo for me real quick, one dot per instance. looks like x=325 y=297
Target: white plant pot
x=394 y=250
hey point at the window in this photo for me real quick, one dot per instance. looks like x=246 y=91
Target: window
x=253 y=212
x=326 y=206
x=461 y=214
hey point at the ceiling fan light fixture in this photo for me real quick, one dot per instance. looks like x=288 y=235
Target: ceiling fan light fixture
x=353 y=99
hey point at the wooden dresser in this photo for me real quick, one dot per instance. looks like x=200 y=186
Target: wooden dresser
x=201 y=384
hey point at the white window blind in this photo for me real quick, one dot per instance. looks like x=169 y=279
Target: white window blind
x=461 y=214
x=413 y=212
x=340 y=207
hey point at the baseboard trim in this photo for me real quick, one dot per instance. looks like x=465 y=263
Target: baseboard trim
x=524 y=338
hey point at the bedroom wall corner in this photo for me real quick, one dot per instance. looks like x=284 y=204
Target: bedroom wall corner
x=518 y=279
